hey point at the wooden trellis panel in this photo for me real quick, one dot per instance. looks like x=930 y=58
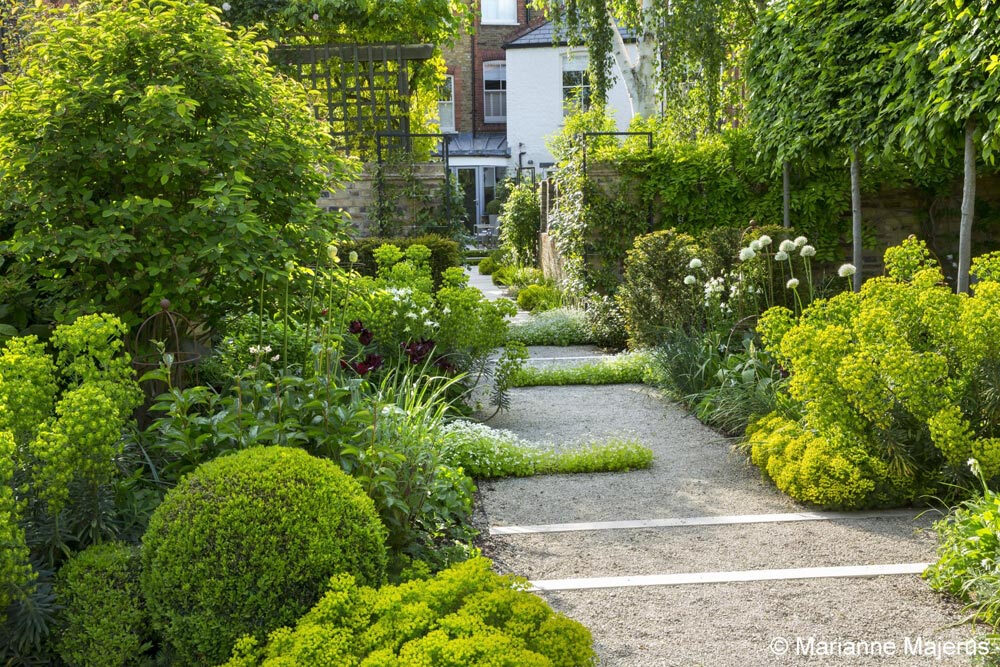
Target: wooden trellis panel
x=361 y=90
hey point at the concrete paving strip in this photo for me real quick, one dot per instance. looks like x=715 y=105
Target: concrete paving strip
x=592 y=357
x=698 y=521
x=728 y=577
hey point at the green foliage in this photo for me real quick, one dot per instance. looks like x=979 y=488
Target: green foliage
x=244 y=544
x=651 y=296
x=103 y=619
x=519 y=223
x=176 y=164
x=560 y=326
x=621 y=369
x=538 y=298
x=518 y=277
x=485 y=453
x=606 y=321
x=242 y=343
x=830 y=59
x=465 y=615
x=487 y=265
x=896 y=387
x=969 y=544
x=941 y=77
x=445 y=253
x=16 y=574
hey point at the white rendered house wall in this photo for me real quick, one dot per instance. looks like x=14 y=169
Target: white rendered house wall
x=535 y=100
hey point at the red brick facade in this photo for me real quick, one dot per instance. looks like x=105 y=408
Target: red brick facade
x=465 y=62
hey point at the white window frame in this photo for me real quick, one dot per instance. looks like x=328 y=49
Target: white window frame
x=498 y=12
x=489 y=67
x=573 y=61
x=448 y=105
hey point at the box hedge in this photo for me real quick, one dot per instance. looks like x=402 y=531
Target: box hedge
x=246 y=543
x=445 y=253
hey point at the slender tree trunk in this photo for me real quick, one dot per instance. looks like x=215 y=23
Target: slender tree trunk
x=968 y=208
x=856 y=216
x=786 y=194
x=639 y=74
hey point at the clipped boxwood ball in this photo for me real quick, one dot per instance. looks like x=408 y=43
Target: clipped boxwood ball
x=246 y=544
x=103 y=620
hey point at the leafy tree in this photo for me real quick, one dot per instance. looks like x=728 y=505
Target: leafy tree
x=943 y=92
x=686 y=50
x=146 y=152
x=816 y=69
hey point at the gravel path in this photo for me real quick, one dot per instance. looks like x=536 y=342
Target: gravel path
x=696 y=474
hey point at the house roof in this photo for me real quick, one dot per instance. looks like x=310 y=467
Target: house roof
x=481 y=144
x=546 y=35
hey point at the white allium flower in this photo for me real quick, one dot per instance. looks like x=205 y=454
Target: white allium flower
x=847 y=270
x=352 y=256
x=690 y=280
x=808 y=251
x=787 y=246
x=765 y=240
x=792 y=284
x=781 y=255
x=747 y=253
x=801 y=241
x=331 y=252
x=226 y=6
x=756 y=245
x=695 y=263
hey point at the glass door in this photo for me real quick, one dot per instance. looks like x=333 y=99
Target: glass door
x=466 y=178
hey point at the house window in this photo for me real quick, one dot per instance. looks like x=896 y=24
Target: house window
x=500 y=12
x=495 y=92
x=492 y=176
x=575 y=84
x=446 y=105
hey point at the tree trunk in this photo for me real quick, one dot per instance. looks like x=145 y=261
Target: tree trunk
x=786 y=194
x=968 y=208
x=856 y=216
x=639 y=75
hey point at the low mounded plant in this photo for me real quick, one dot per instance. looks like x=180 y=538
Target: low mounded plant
x=538 y=298
x=245 y=543
x=103 y=619
x=559 y=326
x=465 y=615
x=630 y=368
x=486 y=453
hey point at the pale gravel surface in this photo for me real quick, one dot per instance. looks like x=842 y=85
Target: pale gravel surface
x=696 y=473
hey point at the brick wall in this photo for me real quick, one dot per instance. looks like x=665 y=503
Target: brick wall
x=465 y=62
x=358 y=199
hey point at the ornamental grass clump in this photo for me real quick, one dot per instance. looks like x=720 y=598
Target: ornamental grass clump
x=465 y=615
x=245 y=544
x=896 y=385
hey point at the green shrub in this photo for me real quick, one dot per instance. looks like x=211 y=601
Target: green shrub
x=968 y=549
x=632 y=368
x=466 y=615
x=194 y=164
x=896 y=385
x=651 y=296
x=245 y=543
x=606 y=322
x=103 y=617
x=487 y=265
x=560 y=326
x=538 y=298
x=518 y=277
x=519 y=223
x=445 y=253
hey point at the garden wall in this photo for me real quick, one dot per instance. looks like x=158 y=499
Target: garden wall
x=890 y=216
x=405 y=191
